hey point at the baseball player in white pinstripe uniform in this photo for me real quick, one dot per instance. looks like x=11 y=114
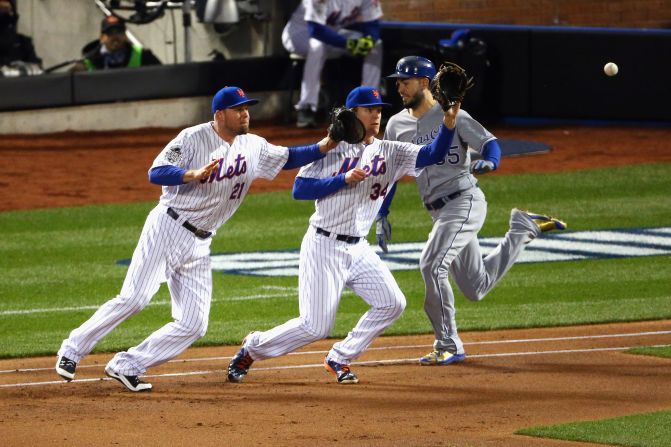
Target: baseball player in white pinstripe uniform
x=319 y=30
x=457 y=206
x=348 y=187
x=206 y=172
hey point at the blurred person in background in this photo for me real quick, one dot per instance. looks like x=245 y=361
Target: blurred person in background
x=114 y=50
x=17 y=54
x=319 y=30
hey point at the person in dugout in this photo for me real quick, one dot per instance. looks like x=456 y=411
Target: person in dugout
x=114 y=50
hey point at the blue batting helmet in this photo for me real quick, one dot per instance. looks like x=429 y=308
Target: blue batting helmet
x=414 y=67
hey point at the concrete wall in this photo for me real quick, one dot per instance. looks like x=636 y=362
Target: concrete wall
x=176 y=112
x=60 y=28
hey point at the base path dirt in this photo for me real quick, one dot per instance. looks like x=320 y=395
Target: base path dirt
x=511 y=380
x=111 y=167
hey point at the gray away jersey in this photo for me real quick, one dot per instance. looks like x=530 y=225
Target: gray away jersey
x=207 y=204
x=452 y=174
x=352 y=209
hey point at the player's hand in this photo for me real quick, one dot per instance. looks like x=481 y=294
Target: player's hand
x=481 y=167
x=326 y=144
x=382 y=232
x=202 y=173
x=450 y=116
x=356 y=175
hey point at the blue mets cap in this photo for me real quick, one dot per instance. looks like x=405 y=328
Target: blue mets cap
x=229 y=97
x=364 y=97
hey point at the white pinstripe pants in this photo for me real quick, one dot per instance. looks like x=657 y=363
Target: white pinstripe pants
x=165 y=250
x=326 y=267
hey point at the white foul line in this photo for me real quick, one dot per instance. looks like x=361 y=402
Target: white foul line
x=387 y=348
x=369 y=362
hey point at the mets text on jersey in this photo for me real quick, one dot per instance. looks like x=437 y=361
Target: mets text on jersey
x=378 y=166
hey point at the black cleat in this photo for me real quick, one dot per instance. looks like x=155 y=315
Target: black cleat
x=239 y=366
x=66 y=368
x=342 y=372
x=133 y=383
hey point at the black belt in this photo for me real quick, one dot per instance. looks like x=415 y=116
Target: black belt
x=202 y=234
x=340 y=237
x=439 y=203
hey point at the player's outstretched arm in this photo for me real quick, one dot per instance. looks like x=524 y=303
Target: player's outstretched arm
x=170 y=175
x=450 y=116
x=327 y=144
x=306 y=188
x=200 y=174
x=303 y=155
x=436 y=151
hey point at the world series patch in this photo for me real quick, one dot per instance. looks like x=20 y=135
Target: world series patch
x=174 y=154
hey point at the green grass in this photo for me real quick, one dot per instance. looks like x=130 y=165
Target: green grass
x=66 y=258
x=641 y=430
x=659 y=351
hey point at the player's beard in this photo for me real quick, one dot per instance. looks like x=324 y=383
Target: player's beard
x=243 y=129
x=415 y=101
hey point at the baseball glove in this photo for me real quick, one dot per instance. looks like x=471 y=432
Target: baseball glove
x=345 y=126
x=361 y=46
x=449 y=85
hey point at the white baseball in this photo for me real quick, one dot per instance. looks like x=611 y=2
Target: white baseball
x=610 y=69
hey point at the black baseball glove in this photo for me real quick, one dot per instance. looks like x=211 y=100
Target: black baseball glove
x=449 y=85
x=345 y=126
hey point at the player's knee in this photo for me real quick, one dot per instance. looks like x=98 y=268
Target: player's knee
x=473 y=294
x=477 y=287
x=316 y=46
x=195 y=327
x=132 y=305
x=427 y=266
x=399 y=306
x=428 y=305
x=202 y=329
x=431 y=269
x=315 y=332
x=396 y=305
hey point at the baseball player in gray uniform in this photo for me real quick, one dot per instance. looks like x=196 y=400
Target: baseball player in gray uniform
x=458 y=208
x=205 y=173
x=348 y=187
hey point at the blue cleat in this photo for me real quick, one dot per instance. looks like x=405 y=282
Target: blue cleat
x=441 y=358
x=546 y=223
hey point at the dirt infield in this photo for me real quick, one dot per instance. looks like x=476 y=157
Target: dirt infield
x=106 y=167
x=511 y=380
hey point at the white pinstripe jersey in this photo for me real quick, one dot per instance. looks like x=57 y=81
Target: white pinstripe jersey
x=452 y=174
x=352 y=209
x=341 y=13
x=207 y=204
